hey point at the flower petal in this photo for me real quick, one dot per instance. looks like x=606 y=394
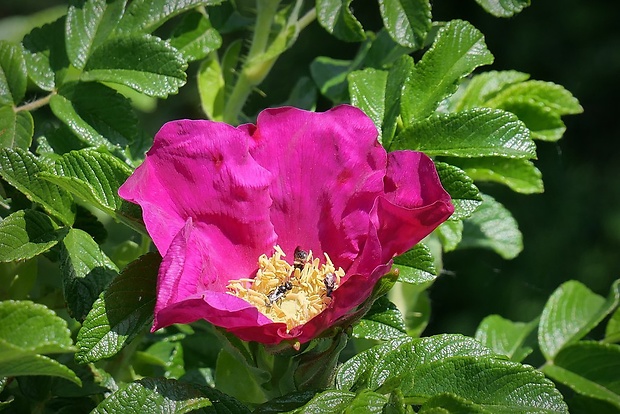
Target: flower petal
x=202 y=170
x=414 y=204
x=329 y=169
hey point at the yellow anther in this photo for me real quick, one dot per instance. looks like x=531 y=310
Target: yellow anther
x=289 y=293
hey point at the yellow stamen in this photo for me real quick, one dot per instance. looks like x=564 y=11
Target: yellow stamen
x=285 y=293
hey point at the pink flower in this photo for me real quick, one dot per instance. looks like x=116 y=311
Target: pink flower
x=216 y=198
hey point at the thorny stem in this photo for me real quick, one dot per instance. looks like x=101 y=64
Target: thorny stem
x=31 y=106
x=255 y=69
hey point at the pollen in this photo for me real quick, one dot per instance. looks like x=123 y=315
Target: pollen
x=292 y=293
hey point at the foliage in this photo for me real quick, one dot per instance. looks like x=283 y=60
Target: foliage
x=72 y=93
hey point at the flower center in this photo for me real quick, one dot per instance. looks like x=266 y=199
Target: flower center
x=292 y=294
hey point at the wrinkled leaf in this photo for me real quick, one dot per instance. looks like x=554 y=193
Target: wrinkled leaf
x=407 y=21
x=519 y=175
x=151 y=395
x=590 y=369
x=465 y=195
x=86 y=272
x=13 y=75
x=382 y=322
x=367 y=92
x=493 y=227
x=459 y=48
x=88 y=24
x=505 y=337
x=142 y=62
x=336 y=17
x=416 y=266
x=571 y=312
x=144 y=16
x=503 y=8
x=28 y=330
x=195 y=38
x=16 y=128
x=124 y=310
x=21 y=168
x=473 y=133
x=26 y=234
x=96 y=114
x=46 y=56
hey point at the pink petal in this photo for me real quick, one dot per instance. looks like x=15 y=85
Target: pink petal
x=329 y=169
x=414 y=204
x=202 y=170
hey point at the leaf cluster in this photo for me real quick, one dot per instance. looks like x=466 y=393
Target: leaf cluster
x=103 y=60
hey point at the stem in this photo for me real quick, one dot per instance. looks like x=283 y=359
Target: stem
x=306 y=19
x=266 y=10
x=36 y=104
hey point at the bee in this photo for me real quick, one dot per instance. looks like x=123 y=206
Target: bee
x=330 y=284
x=300 y=258
x=278 y=293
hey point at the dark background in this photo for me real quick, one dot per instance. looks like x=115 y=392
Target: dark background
x=572 y=231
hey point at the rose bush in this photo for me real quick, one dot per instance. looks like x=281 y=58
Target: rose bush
x=215 y=198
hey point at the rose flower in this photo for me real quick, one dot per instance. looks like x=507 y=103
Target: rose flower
x=277 y=230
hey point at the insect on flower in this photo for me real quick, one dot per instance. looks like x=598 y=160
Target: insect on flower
x=330 y=284
x=278 y=293
x=300 y=257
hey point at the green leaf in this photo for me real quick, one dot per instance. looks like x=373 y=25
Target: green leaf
x=195 y=38
x=503 y=8
x=544 y=123
x=519 y=175
x=336 y=17
x=485 y=86
x=493 y=227
x=590 y=369
x=397 y=76
x=152 y=395
x=465 y=195
x=552 y=96
x=95 y=178
x=505 y=337
x=286 y=403
x=480 y=132
x=334 y=401
x=46 y=57
x=16 y=128
x=28 y=330
x=407 y=21
x=405 y=360
x=383 y=322
x=367 y=92
x=447 y=403
x=13 y=75
x=354 y=374
x=144 y=16
x=21 y=168
x=89 y=23
x=86 y=272
x=119 y=314
x=96 y=114
x=571 y=312
x=416 y=266
x=494 y=385
x=459 y=48
x=450 y=233
x=26 y=234
x=612 y=331
x=142 y=62
x=163 y=358
x=211 y=87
